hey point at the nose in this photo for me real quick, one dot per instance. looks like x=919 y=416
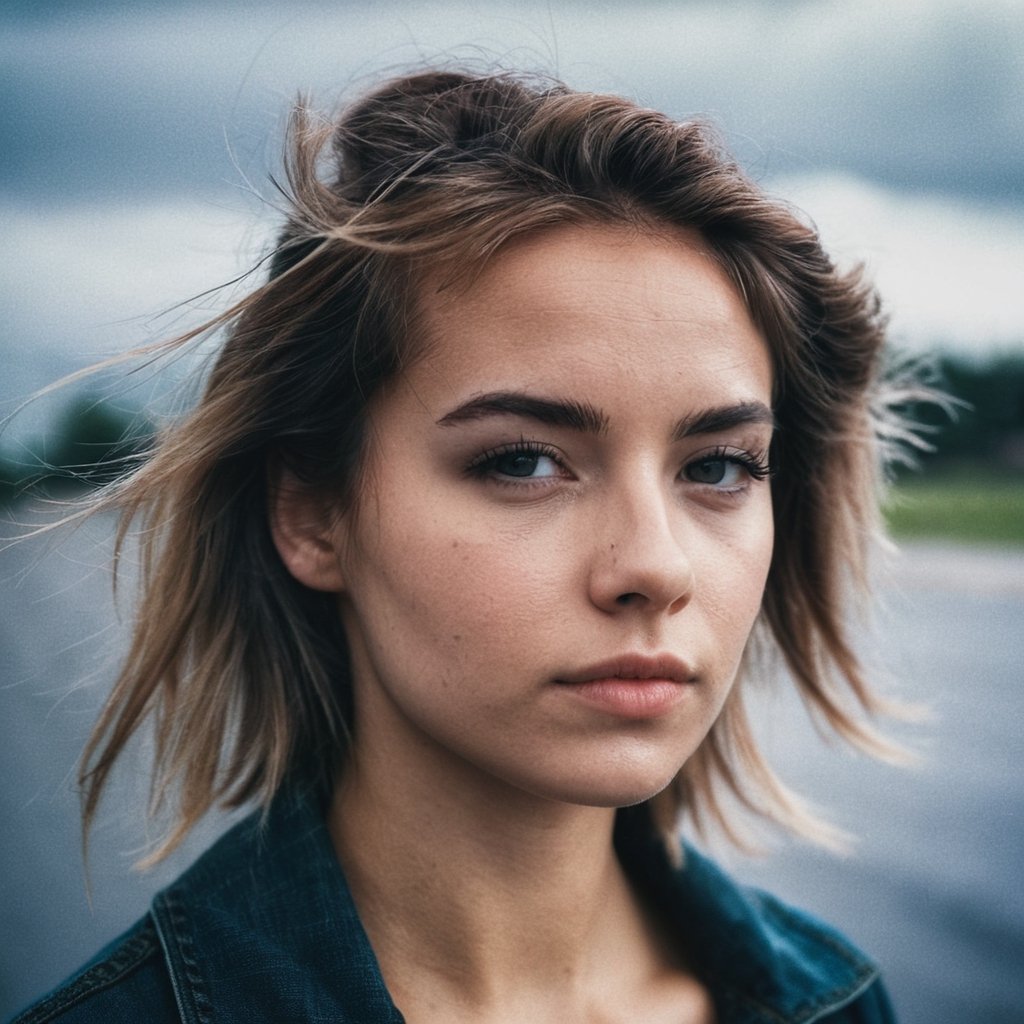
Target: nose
x=640 y=555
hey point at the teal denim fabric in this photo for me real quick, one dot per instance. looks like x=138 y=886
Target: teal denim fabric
x=263 y=928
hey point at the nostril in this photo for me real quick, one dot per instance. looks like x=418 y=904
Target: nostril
x=627 y=598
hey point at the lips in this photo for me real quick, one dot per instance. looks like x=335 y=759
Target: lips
x=635 y=667
x=632 y=687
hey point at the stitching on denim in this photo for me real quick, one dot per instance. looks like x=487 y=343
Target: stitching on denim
x=826 y=1003
x=122 y=961
x=866 y=983
x=177 y=919
x=829 y=1002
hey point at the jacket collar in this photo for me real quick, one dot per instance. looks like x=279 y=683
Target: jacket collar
x=263 y=926
x=764 y=961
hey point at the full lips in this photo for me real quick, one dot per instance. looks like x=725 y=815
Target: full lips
x=630 y=698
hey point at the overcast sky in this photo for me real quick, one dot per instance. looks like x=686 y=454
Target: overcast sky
x=136 y=137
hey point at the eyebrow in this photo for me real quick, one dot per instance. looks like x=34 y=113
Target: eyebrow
x=581 y=416
x=585 y=418
x=724 y=417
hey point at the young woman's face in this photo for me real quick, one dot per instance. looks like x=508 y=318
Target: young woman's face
x=566 y=529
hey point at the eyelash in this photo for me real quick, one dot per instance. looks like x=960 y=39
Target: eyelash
x=756 y=464
x=483 y=465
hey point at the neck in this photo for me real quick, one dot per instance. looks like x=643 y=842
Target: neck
x=481 y=893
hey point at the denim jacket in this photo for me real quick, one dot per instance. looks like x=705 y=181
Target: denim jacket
x=263 y=928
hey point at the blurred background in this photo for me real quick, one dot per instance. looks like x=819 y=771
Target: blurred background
x=136 y=146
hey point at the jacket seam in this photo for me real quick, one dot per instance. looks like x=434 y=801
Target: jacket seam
x=835 y=1000
x=193 y=1002
x=851 y=996
x=865 y=973
x=125 y=959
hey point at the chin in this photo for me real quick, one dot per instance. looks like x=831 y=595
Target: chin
x=610 y=788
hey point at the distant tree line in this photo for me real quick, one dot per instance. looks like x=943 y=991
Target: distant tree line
x=983 y=429
x=94 y=440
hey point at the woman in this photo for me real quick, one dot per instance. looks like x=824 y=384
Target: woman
x=545 y=417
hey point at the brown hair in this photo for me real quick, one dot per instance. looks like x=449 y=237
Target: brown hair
x=245 y=670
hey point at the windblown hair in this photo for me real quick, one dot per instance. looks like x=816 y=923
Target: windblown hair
x=244 y=670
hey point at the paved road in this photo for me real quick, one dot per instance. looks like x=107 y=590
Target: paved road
x=935 y=892
x=936 y=888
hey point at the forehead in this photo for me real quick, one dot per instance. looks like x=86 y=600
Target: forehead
x=600 y=306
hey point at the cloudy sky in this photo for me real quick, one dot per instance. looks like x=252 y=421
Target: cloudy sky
x=137 y=138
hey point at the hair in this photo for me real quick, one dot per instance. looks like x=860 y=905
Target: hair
x=245 y=671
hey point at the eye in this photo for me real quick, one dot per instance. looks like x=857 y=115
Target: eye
x=717 y=472
x=727 y=470
x=524 y=464
x=520 y=461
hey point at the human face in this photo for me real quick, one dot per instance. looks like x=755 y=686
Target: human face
x=564 y=494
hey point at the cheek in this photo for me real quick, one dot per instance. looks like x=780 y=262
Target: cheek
x=426 y=592
x=735 y=579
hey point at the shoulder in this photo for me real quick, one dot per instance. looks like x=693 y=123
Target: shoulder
x=817 y=972
x=763 y=959
x=783 y=963
x=127 y=974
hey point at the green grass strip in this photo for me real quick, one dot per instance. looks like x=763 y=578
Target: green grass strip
x=960 y=508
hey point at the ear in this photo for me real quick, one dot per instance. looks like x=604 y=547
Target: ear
x=305 y=528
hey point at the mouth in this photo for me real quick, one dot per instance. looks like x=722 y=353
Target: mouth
x=632 y=686
x=639 y=668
